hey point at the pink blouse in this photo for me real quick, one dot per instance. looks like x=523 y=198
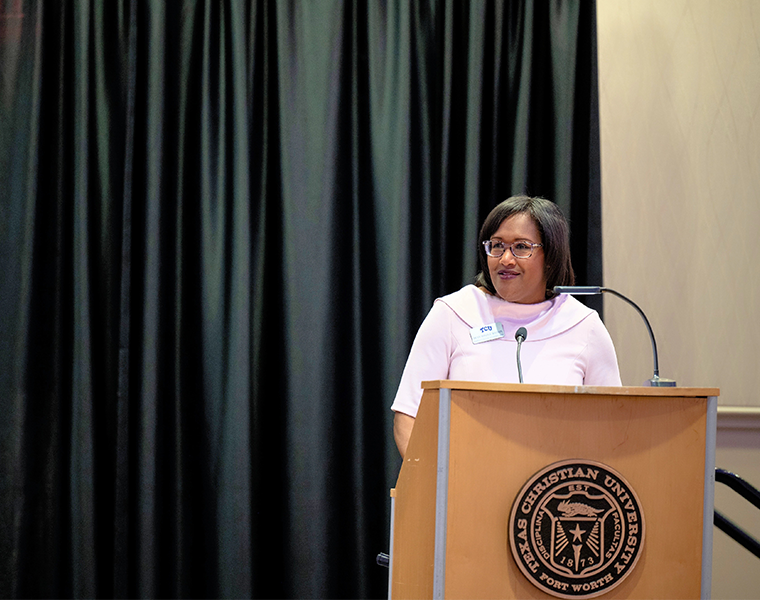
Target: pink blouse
x=567 y=344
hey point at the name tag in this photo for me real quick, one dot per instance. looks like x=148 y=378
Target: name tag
x=494 y=331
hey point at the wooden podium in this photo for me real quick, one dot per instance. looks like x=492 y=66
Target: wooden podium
x=475 y=445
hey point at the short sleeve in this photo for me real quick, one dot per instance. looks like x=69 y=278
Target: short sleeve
x=602 y=366
x=428 y=360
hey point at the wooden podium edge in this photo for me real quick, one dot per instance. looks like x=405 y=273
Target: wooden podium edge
x=530 y=388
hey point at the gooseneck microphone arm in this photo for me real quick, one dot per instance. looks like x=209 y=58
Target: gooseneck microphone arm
x=520 y=336
x=591 y=290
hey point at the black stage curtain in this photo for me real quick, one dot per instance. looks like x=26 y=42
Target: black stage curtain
x=221 y=225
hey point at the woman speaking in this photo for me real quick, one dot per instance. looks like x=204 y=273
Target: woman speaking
x=524 y=251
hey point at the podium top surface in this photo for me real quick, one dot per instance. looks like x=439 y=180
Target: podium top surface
x=530 y=388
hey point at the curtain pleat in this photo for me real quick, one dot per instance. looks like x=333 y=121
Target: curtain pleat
x=221 y=224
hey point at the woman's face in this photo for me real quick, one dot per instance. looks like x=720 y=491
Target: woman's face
x=520 y=280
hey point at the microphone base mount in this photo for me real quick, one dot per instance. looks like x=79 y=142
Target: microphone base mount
x=658 y=381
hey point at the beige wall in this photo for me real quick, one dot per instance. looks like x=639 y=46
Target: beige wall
x=679 y=84
x=679 y=89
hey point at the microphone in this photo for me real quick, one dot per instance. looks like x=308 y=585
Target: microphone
x=591 y=290
x=520 y=335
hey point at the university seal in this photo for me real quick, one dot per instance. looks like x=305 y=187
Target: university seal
x=576 y=529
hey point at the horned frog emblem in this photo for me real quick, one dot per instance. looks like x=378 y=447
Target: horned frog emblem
x=573 y=509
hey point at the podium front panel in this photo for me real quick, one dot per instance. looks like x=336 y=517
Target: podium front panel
x=499 y=439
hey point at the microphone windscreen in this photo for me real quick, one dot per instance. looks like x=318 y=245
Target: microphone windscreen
x=521 y=333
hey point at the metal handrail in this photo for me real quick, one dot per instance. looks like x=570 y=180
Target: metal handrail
x=741 y=487
x=749 y=493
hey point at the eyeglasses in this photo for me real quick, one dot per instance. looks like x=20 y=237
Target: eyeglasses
x=496 y=249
